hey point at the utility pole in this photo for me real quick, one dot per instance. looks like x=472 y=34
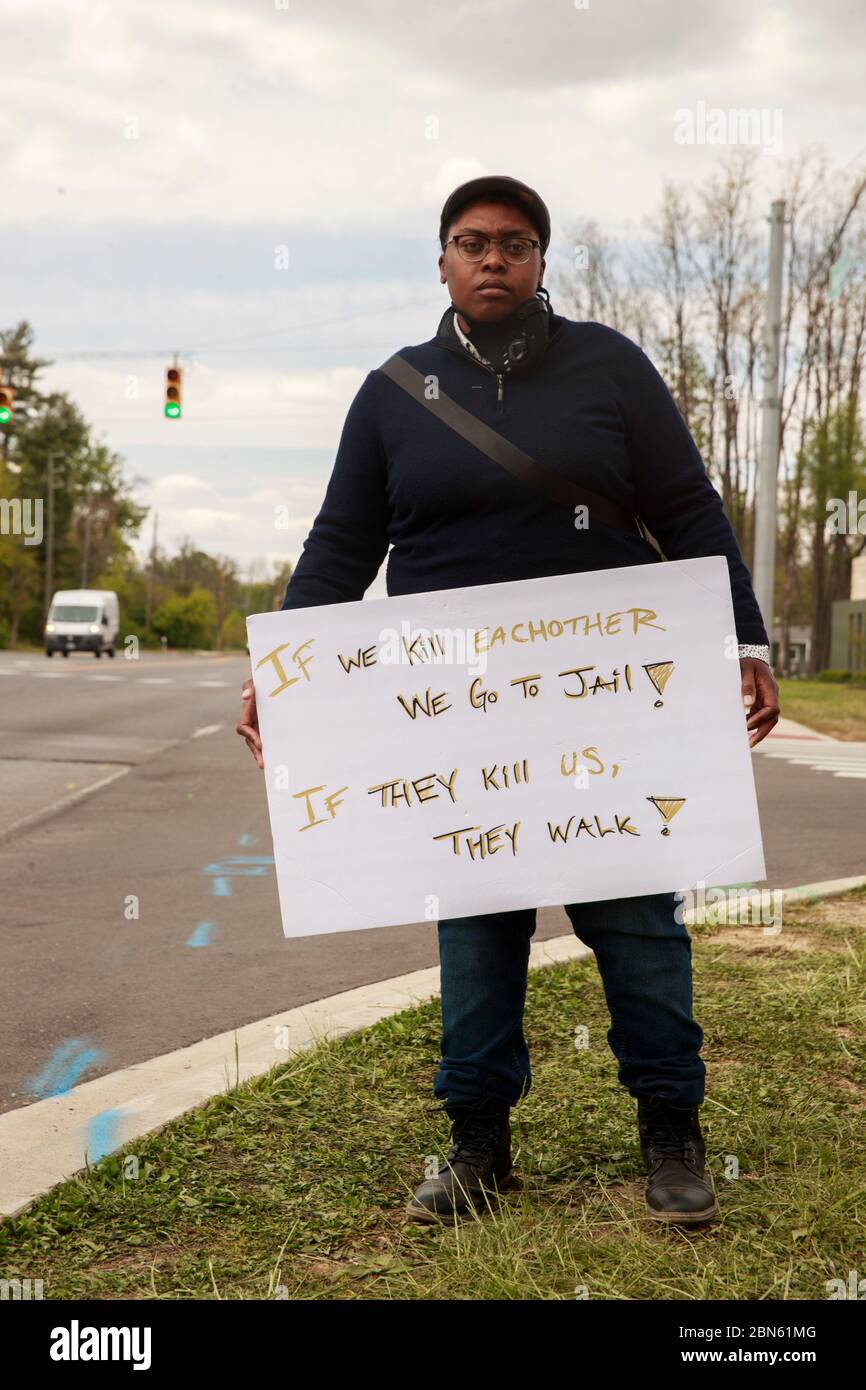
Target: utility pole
x=85 y=554
x=148 y=607
x=768 y=465
x=49 y=552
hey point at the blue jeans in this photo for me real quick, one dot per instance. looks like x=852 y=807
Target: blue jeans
x=644 y=956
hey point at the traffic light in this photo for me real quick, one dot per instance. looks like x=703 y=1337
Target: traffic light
x=7 y=396
x=172 y=392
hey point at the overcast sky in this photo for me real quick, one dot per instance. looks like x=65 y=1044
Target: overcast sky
x=155 y=156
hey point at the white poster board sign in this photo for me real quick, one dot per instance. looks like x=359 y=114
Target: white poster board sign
x=523 y=744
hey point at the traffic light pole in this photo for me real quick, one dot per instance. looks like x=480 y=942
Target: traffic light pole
x=148 y=605
x=49 y=551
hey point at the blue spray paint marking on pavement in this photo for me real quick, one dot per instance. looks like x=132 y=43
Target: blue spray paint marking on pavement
x=233 y=866
x=246 y=840
x=66 y=1064
x=102 y=1135
x=240 y=864
x=201 y=935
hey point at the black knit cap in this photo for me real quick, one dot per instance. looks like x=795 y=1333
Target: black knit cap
x=493 y=186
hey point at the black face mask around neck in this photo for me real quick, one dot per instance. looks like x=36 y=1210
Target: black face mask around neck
x=516 y=343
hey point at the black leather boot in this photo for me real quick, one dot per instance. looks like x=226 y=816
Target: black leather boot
x=679 y=1187
x=477 y=1165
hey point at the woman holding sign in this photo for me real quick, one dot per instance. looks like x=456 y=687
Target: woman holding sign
x=470 y=455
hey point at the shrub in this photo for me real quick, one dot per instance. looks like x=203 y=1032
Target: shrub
x=189 y=621
x=234 y=631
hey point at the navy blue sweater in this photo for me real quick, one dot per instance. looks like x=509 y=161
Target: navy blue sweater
x=594 y=407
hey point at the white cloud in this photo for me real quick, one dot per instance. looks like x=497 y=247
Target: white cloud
x=321 y=113
x=153 y=157
x=225 y=518
x=177 y=485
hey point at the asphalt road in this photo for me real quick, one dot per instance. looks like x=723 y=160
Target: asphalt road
x=143 y=916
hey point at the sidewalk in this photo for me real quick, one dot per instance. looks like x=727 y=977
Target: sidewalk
x=790 y=729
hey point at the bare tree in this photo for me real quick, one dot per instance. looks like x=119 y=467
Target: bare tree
x=692 y=292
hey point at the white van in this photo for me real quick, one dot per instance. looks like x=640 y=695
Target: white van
x=82 y=620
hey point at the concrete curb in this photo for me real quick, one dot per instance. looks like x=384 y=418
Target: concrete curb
x=43 y=1144
x=62 y=804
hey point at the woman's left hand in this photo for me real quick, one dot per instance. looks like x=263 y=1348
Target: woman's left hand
x=760 y=697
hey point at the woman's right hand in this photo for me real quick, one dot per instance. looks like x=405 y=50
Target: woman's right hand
x=248 y=724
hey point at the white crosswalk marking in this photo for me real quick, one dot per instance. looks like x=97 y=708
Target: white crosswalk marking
x=840 y=759
x=122 y=673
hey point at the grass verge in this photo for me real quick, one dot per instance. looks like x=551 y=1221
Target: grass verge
x=837 y=710
x=293 y=1185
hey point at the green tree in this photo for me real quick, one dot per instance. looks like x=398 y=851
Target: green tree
x=48 y=457
x=234 y=632
x=187 y=620
x=20 y=370
x=834 y=465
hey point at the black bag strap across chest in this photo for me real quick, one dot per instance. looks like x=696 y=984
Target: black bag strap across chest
x=554 y=486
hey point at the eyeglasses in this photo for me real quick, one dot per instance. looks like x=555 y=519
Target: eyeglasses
x=516 y=249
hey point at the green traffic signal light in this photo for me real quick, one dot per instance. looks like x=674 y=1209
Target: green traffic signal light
x=172 y=393
x=5 y=415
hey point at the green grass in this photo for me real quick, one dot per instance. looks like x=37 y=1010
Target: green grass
x=293 y=1185
x=837 y=710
